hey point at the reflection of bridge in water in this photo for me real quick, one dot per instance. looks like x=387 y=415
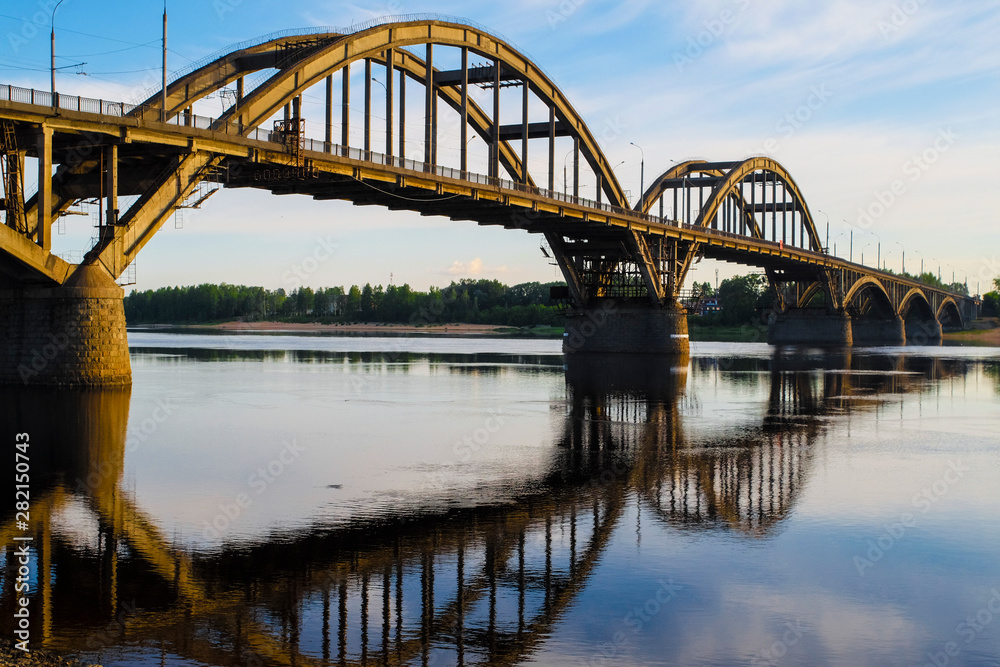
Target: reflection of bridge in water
x=474 y=585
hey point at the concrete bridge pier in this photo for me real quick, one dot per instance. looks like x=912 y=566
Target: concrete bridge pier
x=923 y=331
x=811 y=327
x=609 y=325
x=72 y=335
x=878 y=331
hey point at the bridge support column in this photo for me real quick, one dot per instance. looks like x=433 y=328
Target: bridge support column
x=878 y=332
x=923 y=332
x=611 y=326
x=808 y=327
x=71 y=335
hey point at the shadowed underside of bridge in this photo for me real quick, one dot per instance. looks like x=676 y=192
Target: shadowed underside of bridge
x=491 y=129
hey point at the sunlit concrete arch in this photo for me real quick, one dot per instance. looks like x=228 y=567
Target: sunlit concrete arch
x=949 y=309
x=873 y=287
x=916 y=298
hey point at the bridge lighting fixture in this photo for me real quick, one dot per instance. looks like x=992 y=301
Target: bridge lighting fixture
x=53 y=52
x=642 y=169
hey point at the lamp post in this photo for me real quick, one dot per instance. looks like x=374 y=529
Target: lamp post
x=53 y=52
x=850 y=255
x=827 y=230
x=642 y=169
x=903 y=262
x=565 y=182
x=921 y=263
x=863 y=252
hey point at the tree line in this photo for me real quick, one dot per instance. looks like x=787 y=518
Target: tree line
x=468 y=301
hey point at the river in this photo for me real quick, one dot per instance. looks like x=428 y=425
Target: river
x=295 y=500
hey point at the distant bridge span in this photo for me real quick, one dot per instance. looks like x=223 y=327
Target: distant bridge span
x=625 y=264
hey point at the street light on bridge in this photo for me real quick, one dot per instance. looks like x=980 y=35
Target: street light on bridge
x=921 y=263
x=53 y=53
x=827 y=230
x=642 y=169
x=903 y=263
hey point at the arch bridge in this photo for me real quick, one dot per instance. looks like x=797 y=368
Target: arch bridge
x=462 y=125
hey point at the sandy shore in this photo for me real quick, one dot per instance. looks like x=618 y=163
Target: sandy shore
x=986 y=337
x=372 y=327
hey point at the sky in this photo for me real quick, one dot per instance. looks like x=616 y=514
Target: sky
x=885 y=113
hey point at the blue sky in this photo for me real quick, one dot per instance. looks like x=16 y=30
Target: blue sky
x=853 y=97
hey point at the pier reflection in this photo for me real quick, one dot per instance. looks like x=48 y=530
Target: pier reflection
x=481 y=585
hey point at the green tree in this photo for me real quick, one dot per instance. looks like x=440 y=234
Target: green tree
x=739 y=298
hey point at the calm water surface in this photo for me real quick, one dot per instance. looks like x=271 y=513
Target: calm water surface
x=303 y=500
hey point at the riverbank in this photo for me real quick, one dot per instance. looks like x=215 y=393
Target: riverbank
x=361 y=327
x=37 y=657
x=986 y=332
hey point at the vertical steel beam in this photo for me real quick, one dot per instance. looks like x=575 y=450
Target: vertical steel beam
x=44 y=237
x=495 y=139
x=111 y=184
x=524 y=131
x=390 y=80
x=329 y=110
x=552 y=148
x=402 y=114
x=345 y=106
x=576 y=166
x=368 y=106
x=465 y=109
x=428 y=105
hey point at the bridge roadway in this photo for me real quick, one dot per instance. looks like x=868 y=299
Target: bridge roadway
x=485 y=585
x=624 y=266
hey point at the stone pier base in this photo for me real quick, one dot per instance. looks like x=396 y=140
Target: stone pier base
x=807 y=327
x=610 y=326
x=923 y=332
x=878 y=332
x=72 y=335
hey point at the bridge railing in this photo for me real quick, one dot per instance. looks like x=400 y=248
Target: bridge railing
x=102 y=107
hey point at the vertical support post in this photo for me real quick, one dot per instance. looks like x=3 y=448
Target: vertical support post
x=390 y=79
x=524 y=132
x=576 y=166
x=111 y=184
x=329 y=110
x=495 y=139
x=552 y=149
x=428 y=104
x=402 y=113
x=465 y=109
x=368 y=107
x=288 y=113
x=44 y=188
x=239 y=91
x=345 y=106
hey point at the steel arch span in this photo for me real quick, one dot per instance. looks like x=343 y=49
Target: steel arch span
x=755 y=198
